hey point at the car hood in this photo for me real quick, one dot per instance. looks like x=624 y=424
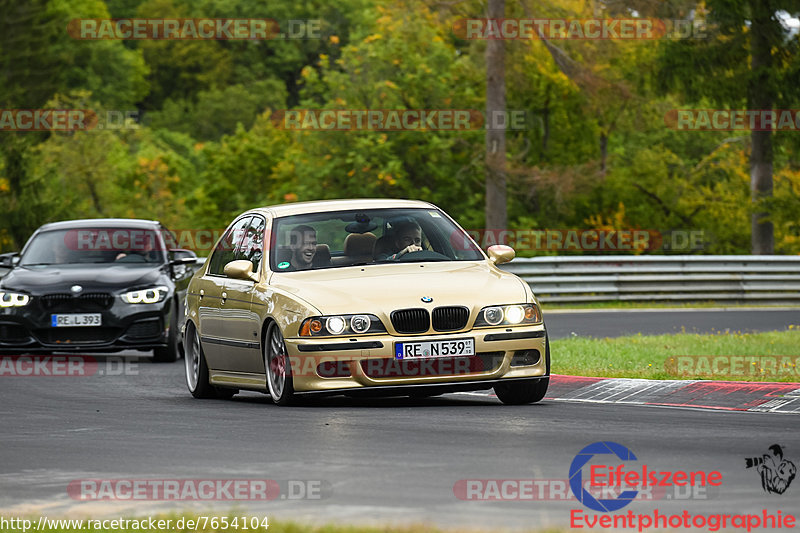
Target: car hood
x=93 y=278
x=383 y=288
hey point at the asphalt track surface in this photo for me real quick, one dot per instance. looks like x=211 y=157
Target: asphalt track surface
x=615 y=323
x=377 y=461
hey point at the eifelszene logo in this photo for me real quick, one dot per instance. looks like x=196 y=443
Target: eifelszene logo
x=776 y=472
x=624 y=483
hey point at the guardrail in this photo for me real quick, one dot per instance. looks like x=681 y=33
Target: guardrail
x=673 y=278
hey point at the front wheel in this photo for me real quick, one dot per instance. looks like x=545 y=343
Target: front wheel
x=525 y=391
x=277 y=367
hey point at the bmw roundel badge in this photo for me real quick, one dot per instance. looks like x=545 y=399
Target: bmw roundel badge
x=426 y=299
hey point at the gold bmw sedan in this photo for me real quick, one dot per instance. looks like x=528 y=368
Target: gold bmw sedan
x=360 y=297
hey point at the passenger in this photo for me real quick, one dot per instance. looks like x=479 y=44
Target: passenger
x=303 y=244
x=406 y=237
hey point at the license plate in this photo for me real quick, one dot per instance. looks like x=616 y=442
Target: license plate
x=76 y=320
x=448 y=348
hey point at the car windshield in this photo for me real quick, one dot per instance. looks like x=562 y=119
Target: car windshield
x=118 y=246
x=365 y=237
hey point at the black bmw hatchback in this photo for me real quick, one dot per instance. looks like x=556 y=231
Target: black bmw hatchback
x=100 y=285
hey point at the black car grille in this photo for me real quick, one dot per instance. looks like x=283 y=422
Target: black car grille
x=84 y=335
x=450 y=318
x=91 y=301
x=432 y=366
x=411 y=320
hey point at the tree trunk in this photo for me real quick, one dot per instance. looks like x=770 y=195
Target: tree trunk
x=761 y=97
x=603 y=151
x=496 y=208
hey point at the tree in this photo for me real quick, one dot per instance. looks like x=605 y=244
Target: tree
x=746 y=41
x=496 y=202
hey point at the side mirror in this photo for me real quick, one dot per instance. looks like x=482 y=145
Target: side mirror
x=183 y=257
x=9 y=260
x=241 y=269
x=500 y=253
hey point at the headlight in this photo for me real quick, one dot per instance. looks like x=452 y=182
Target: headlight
x=13 y=299
x=335 y=325
x=493 y=315
x=360 y=323
x=509 y=315
x=320 y=326
x=146 y=296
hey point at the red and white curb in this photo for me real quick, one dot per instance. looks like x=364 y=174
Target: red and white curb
x=701 y=394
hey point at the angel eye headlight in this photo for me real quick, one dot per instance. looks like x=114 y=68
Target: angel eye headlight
x=146 y=296
x=13 y=299
x=319 y=326
x=509 y=315
x=514 y=314
x=335 y=325
x=359 y=323
x=493 y=315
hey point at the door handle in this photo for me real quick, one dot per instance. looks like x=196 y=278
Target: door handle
x=224 y=296
x=202 y=293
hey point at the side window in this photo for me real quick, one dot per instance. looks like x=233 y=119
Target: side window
x=224 y=253
x=169 y=238
x=252 y=246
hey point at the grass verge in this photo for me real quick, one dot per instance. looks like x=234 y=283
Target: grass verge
x=736 y=356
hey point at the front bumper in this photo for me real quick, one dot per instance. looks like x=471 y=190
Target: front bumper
x=124 y=326
x=358 y=364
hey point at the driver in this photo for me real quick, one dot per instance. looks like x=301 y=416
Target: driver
x=407 y=237
x=303 y=244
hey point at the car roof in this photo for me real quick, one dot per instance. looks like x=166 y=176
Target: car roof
x=101 y=223
x=322 y=206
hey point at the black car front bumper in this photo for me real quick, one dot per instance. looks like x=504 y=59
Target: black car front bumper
x=124 y=326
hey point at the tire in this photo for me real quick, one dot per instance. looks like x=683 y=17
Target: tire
x=170 y=352
x=527 y=391
x=277 y=367
x=196 y=367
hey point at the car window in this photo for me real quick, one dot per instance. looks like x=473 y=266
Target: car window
x=94 y=245
x=169 y=238
x=252 y=246
x=225 y=252
x=346 y=238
